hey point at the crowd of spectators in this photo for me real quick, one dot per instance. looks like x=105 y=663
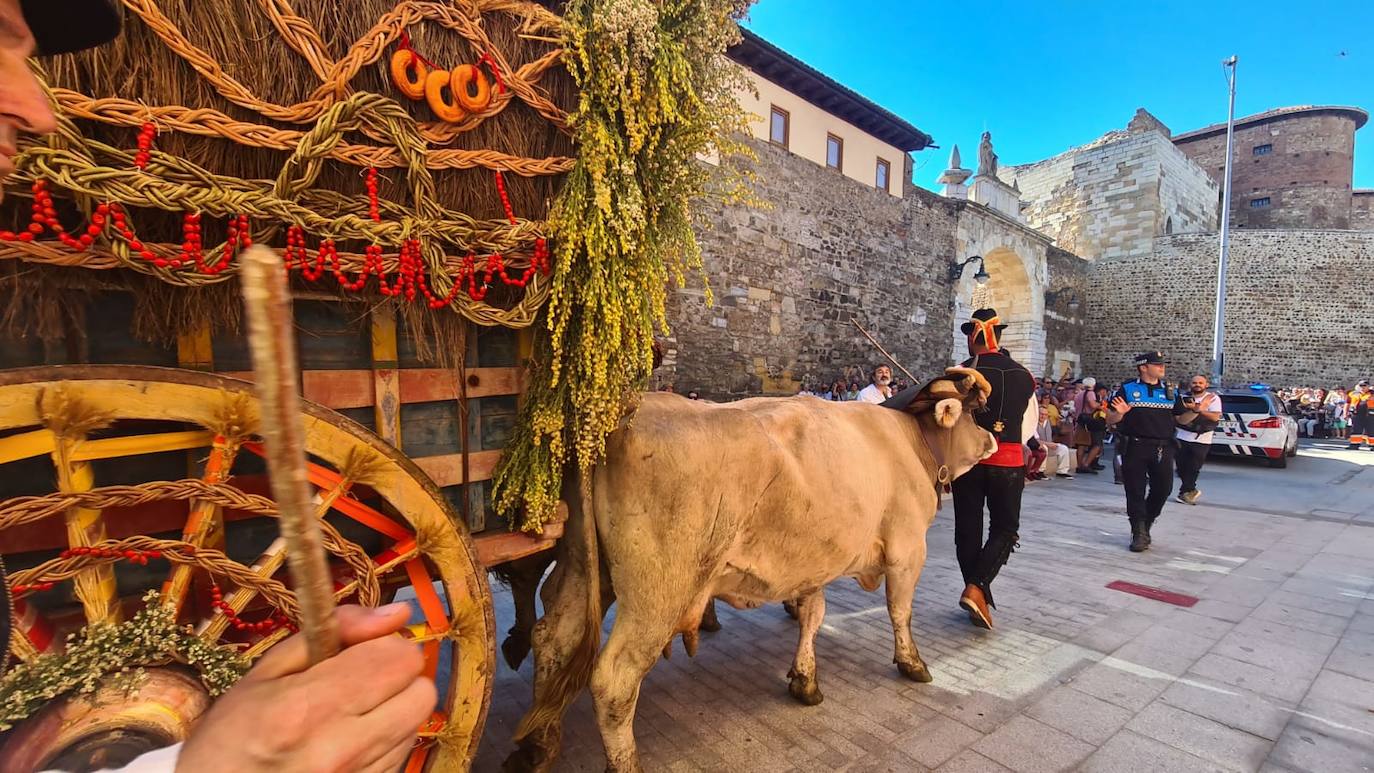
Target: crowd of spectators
x=1321 y=413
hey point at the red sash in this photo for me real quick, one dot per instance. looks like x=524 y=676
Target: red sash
x=1008 y=454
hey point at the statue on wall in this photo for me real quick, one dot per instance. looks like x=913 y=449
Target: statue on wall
x=987 y=160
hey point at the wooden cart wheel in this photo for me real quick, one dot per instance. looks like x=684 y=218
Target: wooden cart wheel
x=96 y=431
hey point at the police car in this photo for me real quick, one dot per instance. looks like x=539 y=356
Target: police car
x=1254 y=422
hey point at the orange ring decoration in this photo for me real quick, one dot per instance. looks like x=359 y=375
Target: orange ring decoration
x=403 y=63
x=464 y=76
x=444 y=110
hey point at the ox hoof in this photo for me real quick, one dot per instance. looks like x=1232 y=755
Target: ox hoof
x=528 y=757
x=806 y=691
x=916 y=672
x=515 y=648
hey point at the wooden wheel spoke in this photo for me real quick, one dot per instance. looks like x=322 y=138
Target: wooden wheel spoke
x=204 y=519
x=70 y=419
x=268 y=563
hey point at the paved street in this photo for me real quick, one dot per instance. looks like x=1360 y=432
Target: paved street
x=1272 y=669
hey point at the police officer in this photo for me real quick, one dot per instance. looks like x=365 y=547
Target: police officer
x=998 y=481
x=1143 y=410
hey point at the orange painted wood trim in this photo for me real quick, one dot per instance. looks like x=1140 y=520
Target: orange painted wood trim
x=426 y=595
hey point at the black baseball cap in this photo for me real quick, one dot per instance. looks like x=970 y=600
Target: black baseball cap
x=1150 y=358
x=64 y=26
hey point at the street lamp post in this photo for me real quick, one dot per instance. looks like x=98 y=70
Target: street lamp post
x=1219 y=321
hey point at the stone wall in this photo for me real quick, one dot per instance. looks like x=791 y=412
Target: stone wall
x=1362 y=211
x=1066 y=281
x=1113 y=196
x=787 y=281
x=1305 y=175
x=1293 y=316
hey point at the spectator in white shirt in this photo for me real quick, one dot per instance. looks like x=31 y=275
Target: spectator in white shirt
x=881 y=388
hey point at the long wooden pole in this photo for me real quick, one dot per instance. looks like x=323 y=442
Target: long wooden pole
x=889 y=357
x=271 y=336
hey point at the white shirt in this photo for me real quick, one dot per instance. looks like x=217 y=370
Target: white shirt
x=871 y=394
x=1210 y=402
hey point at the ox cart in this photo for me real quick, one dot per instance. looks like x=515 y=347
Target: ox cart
x=404 y=156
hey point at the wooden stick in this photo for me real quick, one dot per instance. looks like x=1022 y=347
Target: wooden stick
x=889 y=357
x=271 y=336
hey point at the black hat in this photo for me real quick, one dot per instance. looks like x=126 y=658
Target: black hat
x=982 y=315
x=64 y=26
x=1150 y=358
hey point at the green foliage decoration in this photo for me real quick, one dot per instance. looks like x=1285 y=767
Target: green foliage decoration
x=105 y=653
x=657 y=95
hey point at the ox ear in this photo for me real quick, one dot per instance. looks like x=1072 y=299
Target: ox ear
x=948 y=411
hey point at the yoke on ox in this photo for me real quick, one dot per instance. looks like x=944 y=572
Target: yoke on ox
x=745 y=502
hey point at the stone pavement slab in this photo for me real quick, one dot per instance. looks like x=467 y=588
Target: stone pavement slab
x=1272 y=669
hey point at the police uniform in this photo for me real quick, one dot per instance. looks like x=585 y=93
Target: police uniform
x=1361 y=416
x=997 y=481
x=1147 y=457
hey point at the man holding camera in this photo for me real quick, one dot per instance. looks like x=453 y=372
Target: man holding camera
x=1202 y=412
x=1143 y=410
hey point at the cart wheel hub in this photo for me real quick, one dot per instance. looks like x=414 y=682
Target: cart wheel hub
x=110 y=728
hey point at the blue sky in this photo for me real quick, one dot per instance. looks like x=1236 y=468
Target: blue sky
x=1045 y=75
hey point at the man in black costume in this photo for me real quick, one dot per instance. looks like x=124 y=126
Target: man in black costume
x=998 y=481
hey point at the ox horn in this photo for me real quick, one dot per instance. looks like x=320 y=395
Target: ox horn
x=971 y=381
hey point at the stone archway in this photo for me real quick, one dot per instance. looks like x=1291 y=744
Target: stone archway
x=1010 y=291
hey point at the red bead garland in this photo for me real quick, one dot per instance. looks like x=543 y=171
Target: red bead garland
x=135 y=556
x=374 y=210
x=275 y=621
x=146 y=133
x=410 y=280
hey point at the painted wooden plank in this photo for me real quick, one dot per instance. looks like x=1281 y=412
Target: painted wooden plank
x=109 y=318
x=420 y=385
x=447 y=469
x=385 y=384
x=331 y=388
x=430 y=429
x=497 y=548
x=333 y=336
x=194 y=350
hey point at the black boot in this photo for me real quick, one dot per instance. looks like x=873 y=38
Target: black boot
x=1140 y=537
x=991 y=560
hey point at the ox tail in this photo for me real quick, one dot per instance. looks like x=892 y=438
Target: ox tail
x=575 y=672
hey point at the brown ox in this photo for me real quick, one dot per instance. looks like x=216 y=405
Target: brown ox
x=745 y=502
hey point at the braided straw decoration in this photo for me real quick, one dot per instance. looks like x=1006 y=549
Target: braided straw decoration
x=22 y=510
x=212 y=123
x=461 y=16
x=98 y=172
x=176 y=551
x=176 y=184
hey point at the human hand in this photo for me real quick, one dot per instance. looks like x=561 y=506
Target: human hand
x=1120 y=405
x=356 y=711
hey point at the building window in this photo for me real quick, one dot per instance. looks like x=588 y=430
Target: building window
x=778 y=127
x=884 y=171
x=834 y=152
x=1259 y=203
x=1262 y=150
